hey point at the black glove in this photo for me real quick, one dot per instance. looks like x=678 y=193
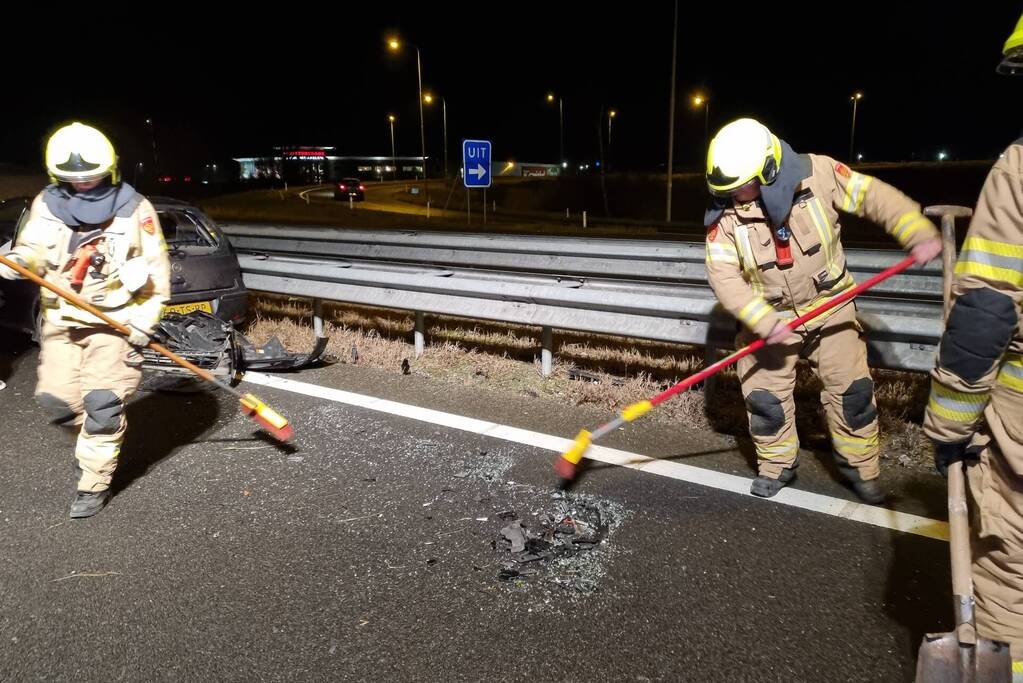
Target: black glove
x=947 y=453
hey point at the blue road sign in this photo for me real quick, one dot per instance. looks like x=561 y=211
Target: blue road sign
x=476 y=163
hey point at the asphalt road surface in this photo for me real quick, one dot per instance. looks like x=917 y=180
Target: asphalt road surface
x=379 y=547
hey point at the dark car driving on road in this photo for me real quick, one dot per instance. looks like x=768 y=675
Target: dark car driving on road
x=350 y=188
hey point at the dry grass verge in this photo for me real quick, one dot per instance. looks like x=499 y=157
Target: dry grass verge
x=608 y=372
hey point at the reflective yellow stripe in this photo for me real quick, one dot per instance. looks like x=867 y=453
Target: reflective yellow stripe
x=747 y=262
x=754 y=311
x=721 y=253
x=1017 y=672
x=856 y=192
x=992 y=247
x=1013 y=277
x=854 y=445
x=820 y=221
x=835 y=269
x=827 y=237
x=991 y=260
x=1012 y=373
x=781 y=449
x=956 y=405
x=908 y=225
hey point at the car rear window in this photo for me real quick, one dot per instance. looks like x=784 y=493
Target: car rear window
x=181 y=230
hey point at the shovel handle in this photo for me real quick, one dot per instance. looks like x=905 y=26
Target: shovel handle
x=959 y=550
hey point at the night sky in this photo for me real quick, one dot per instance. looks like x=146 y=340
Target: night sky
x=312 y=74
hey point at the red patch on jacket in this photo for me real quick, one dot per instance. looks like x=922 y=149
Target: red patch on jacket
x=712 y=233
x=843 y=170
x=149 y=226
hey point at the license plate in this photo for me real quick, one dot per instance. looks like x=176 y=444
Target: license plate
x=206 y=306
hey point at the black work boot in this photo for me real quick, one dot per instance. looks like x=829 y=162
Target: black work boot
x=868 y=491
x=765 y=487
x=86 y=503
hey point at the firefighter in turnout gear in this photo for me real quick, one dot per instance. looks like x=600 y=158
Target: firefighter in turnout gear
x=976 y=406
x=774 y=252
x=93 y=234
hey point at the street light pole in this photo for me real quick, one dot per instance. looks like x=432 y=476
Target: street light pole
x=395 y=44
x=444 y=109
x=856 y=97
x=429 y=98
x=704 y=101
x=152 y=139
x=706 y=123
x=394 y=160
x=422 y=126
x=671 y=113
x=561 y=127
x=611 y=114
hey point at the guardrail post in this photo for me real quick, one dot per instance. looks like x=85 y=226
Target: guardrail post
x=584 y=219
x=318 y=317
x=546 y=351
x=420 y=333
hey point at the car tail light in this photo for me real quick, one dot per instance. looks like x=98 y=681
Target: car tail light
x=362 y=187
x=342 y=187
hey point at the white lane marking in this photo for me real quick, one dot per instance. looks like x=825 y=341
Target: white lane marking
x=806 y=500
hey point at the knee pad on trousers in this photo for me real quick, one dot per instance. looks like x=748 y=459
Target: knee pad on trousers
x=766 y=414
x=967 y=353
x=103 y=411
x=60 y=412
x=858 y=403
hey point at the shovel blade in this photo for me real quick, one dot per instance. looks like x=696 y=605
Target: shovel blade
x=943 y=660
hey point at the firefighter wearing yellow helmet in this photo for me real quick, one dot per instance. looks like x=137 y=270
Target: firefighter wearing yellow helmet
x=90 y=233
x=773 y=253
x=976 y=408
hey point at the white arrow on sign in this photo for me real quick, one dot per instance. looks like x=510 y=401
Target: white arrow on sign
x=479 y=171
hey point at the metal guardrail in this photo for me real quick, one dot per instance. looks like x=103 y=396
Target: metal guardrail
x=632 y=288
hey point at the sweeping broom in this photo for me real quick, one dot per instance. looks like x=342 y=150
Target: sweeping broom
x=567 y=465
x=275 y=424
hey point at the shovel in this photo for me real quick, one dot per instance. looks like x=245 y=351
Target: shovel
x=960 y=656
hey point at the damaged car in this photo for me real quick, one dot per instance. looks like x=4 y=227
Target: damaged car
x=208 y=297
